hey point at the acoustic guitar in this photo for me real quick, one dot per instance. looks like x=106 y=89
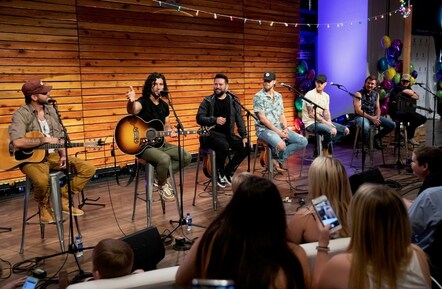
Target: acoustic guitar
x=12 y=157
x=133 y=135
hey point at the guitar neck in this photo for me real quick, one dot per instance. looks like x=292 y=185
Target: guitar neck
x=168 y=133
x=57 y=146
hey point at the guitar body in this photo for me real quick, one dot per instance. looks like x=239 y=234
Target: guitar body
x=263 y=157
x=207 y=165
x=133 y=135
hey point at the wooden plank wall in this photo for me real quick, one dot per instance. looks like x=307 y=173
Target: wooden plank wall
x=92 y=50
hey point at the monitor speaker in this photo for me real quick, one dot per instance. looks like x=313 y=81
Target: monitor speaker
x=148 y=248
x=369 y=176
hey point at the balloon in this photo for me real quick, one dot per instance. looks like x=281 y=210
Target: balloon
x=384 y=110
x=412 y=81
x=411 y=68
x=390 y=73
x=397 y=78
x=440 y=84
x=305 y=84
x=439 y=94
x=387 y=100
x=304 y=63
x=393 y=51
x=391 y=62
x=399 y=64
x=311 y=74
x=439 y=75
x=382 y=64
x=397 y=43
x=301 y=70
x=439 y=66
x=386 y=84
x=414 y=73
x=298 y=103
x=382 y=94
x=385 y=42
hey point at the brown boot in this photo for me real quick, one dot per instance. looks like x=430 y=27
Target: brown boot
x=65 y=207
x=46 y=214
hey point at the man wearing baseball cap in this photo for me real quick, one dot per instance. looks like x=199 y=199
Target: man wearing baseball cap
x=330 y=131
x=402 y=107
x=35 y=124
x=271 y=125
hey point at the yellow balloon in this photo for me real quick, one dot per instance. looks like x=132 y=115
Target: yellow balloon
x=412 y=80
x=385 y=42
x=390 y=73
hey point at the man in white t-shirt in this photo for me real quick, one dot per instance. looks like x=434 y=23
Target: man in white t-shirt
x=330 y=131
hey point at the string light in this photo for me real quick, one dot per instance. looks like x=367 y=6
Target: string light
x=404 y=9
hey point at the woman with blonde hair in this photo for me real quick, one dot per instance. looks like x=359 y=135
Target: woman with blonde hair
x=327 y=176
x=380 y=253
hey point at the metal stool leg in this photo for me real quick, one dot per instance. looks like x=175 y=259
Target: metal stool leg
x=175 y=191
x=214 y=180
x=198 y=160
x=25 y=214
x=56 y=204
x=137 y=179
x=148 y=178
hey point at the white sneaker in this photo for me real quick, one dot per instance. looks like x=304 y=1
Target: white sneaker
x=166 y=192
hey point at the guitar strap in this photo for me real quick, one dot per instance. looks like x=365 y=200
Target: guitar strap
x=132 y=174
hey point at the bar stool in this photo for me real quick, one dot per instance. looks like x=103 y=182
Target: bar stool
x=54 y=182
x=372 y=132
x=318 y=143
x=212 y=180
x=269 y=167
x=148 y=185
x=401 y=128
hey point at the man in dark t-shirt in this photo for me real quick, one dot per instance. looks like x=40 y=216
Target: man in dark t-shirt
x=152 y=108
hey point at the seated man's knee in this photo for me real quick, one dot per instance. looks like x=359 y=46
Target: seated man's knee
x=281 y=146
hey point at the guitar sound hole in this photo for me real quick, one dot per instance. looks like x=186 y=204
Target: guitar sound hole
x=150 y=134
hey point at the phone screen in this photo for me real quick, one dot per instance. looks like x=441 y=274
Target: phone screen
x=30 y=283
x=212 y=284
x=326 y=213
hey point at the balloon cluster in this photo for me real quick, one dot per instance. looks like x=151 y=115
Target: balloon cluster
x=391 y=68
x=439 y=79
x=305 y=76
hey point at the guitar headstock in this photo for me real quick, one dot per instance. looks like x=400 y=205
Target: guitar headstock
x=205 y=130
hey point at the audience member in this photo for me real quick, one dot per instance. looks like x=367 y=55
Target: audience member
x=112 y=258
x=251 y=251
x=14 y=283
x=426 y=163
x=238 y=179
x=380 y=253
x=327 y=176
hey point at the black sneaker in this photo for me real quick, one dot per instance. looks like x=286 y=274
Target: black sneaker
x=377 y=144
x=220 y=181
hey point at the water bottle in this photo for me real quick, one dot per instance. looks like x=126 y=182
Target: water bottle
x=79 y=245
x=189 y=222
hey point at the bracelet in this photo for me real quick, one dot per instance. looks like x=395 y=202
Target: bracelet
x=323 y=248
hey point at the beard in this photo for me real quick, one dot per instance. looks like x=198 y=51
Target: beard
x=218 y=92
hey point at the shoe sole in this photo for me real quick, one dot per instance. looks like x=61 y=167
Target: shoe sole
x=73 y=214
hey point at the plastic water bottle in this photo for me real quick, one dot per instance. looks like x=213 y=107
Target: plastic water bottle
x=79 y=245
x=189 y=222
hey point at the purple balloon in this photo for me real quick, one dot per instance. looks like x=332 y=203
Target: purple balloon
x=386 y=84
x=311 y=74
x=393 y=51
x=414 y=74
x=397 y=43
x=305 y=84
x=399 y=65
x=439 y=75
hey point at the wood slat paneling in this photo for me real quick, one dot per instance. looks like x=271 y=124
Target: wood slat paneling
x=91 y=51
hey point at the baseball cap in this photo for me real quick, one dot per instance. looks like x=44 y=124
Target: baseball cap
x=35 y=86
x=269 y=76
x=406 y=77
x=321 y=77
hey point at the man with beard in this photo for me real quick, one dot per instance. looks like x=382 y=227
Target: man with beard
x=368 y=112
x=222 y=110
x=271 y=125
x=150 y=106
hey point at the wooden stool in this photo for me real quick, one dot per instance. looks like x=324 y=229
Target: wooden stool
x=54 y=181
x=148 y=185
x=213 y=176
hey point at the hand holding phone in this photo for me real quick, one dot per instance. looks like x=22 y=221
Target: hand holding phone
x=325 y=213
x=30 y=283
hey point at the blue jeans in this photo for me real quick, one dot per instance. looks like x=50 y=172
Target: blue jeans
x=324 y=130
x=386 y=124
x=294 y=143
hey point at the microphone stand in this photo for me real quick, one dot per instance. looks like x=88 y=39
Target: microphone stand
x=315 y=107
x=72 y=247
x=182 y=220
x=248 y=115
x=434 y=108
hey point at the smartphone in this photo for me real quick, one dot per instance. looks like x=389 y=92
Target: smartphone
x=326 y=214
x=212 y=284
x=30 y=283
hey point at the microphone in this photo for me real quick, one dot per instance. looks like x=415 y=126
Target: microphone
x=419 y=83
x=52 y=101
x=336 y=84
x=286 y=85
x=164 y=93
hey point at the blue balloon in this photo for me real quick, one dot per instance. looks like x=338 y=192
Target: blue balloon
x=382 y=64
x=391 y=62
